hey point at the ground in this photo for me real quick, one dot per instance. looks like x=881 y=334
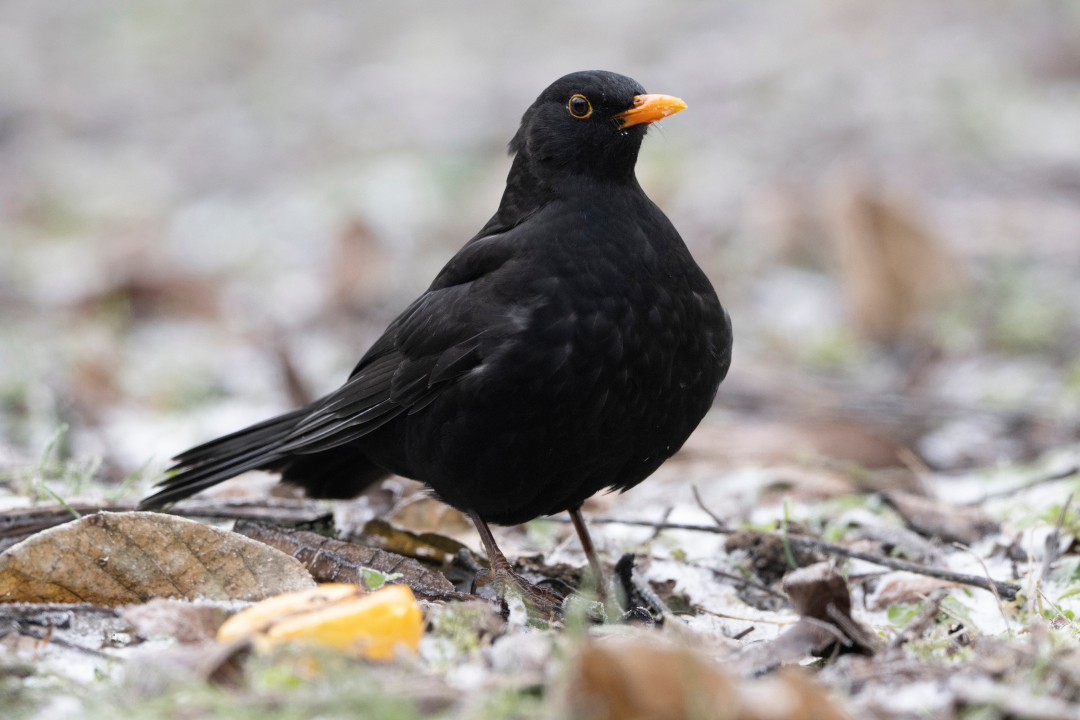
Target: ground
x=208 y=214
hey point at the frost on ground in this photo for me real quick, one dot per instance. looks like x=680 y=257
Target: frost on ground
x=706 y=599
x=207 y=214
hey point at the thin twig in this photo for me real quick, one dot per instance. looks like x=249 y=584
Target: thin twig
x=744 y=619
x=1008 y=492
x=743 y=633
x=651 y=524
x=749 y=582
x=701 y=504
x=1004 y=590
x=663 y=518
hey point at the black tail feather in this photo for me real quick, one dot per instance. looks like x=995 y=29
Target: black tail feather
x=338 y=473
x=266 y=432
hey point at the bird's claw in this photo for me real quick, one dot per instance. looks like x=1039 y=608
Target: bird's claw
x=507 y=581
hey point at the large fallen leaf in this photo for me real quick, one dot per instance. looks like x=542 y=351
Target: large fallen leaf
x=123 y=558
x=344 y=617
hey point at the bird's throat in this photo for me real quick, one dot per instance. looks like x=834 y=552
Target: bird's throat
x=525 y=195
x=529 y=188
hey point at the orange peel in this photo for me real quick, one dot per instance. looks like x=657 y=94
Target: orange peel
x=343 y=617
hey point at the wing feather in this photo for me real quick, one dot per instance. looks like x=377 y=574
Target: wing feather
x=436 y=340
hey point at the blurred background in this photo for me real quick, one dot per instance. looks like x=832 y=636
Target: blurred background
x=209 y=210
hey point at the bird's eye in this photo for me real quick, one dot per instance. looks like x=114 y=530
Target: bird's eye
x=580 y=107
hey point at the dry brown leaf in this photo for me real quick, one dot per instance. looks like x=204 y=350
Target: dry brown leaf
x=820 y=595
x=334 y=561
x=430 y=547
x=899 y=588
x=813 y=589
x=428 y=515
x=124 y=558
x=641 y=680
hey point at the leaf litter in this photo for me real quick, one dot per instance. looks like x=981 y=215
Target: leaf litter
x=825 y=606
x=806 y=454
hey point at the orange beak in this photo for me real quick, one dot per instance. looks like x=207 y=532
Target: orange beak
x=650 y=108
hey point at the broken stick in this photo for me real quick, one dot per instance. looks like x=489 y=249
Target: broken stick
x=1006 y=590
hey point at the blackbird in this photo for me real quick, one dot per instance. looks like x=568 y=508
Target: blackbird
x=572 y=345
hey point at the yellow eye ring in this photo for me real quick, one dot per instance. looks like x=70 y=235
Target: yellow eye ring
x=579 y=106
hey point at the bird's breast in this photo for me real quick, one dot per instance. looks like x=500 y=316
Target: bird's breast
x=609 y=329
x=602 y=346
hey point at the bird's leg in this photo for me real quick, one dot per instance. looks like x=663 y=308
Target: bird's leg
x=502 y=574
x=590 y=552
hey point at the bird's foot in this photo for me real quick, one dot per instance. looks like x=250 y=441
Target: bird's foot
x=508 y=582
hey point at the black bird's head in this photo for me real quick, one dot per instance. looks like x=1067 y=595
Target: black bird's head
x=589 y=123
x=586 y=127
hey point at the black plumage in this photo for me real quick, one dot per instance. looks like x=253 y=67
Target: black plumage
x=572 y=345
